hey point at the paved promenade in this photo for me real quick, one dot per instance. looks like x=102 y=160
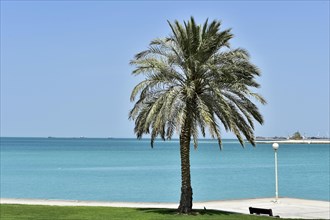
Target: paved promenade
x=285 y=207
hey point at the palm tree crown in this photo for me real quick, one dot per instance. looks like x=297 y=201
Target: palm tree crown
x=193 y=79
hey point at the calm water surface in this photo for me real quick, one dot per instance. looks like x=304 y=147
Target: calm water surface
x=129 y=170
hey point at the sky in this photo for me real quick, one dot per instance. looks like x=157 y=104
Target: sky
x=65 y=64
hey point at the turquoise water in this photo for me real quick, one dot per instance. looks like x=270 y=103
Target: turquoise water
x=129 y=170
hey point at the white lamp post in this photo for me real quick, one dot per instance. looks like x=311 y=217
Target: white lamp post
x=275 y=147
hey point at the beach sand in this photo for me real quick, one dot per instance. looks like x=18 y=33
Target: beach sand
x=285 y=207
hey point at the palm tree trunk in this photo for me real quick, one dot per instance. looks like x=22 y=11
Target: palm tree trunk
x=186 y=190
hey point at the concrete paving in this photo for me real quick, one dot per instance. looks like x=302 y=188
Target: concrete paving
x=284 y=207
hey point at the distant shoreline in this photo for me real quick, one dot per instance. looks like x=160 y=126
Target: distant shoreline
x=304 y=141
x=259 y=140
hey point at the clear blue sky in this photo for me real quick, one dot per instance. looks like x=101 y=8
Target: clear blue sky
x=65 y=65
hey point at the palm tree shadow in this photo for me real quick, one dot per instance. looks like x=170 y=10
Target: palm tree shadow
x=171 y=212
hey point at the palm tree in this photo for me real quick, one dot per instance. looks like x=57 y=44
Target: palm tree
x=194 y=81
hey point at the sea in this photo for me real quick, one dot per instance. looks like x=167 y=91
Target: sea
x=129 y=170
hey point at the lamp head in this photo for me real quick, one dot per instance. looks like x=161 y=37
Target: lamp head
x=275 y=146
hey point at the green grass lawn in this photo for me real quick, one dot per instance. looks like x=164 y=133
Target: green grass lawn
x=37 y=212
